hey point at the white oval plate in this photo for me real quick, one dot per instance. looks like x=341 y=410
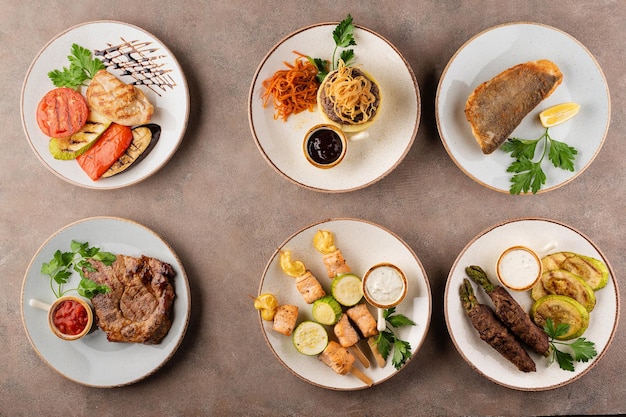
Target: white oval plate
x=494 y=50
x=363 y=244
x=92 y=360
x=367 y=160
x=168 y=93
x=544 y=236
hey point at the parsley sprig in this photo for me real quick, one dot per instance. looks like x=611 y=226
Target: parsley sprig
x=82 y=68
x=386 y=341
x=529 y=175
x=582 y=349
x=63 y=264
x=343 y=35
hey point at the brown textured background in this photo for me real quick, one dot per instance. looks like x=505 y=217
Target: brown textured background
x=224 y=210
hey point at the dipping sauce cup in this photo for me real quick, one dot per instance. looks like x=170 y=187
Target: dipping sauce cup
x=519 y=268
x=70 y=318
x=325 y=146
x=384 y=286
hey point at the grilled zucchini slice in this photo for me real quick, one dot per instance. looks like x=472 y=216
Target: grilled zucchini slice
x=77 y=144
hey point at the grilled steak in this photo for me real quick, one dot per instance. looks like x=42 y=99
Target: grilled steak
x=138 y=307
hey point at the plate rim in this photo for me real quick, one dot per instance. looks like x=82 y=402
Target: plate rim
x=300 y=183
x=486 y=231
x=184 y=124
x=183 y=274
x=501 y=26
x=413 y=255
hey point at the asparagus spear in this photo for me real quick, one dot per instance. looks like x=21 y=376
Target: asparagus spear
x=511 y=313
x=492 y=331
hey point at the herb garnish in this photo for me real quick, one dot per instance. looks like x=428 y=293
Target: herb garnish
x=62 y=265
x=528 y=174
x=387 y=340
x=82 y=67
x=343 y=37
x=582 y=349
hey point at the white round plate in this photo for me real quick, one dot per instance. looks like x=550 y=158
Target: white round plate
x=367 y=160
x=92 y=360
x=168 y=93
x=544 y=236
x=494 y=50
x=363 y=244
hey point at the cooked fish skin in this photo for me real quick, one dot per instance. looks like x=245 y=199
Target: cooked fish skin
x=497 y=106
x=121 y=103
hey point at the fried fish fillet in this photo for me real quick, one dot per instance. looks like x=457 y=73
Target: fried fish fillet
x=121 y=103
x=496 y=107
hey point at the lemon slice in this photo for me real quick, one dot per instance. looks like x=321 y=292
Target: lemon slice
x=290 y=267
x=558 y=114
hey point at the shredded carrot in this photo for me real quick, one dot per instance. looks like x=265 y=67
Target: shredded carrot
x=292 y=90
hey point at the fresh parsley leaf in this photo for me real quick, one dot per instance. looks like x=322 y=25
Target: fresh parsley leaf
x=387 y=340
x=346 y=56
x=582 y=349
x=343 y=35
x=529 y=175
x=61 y=267
x=401 y=353
x=562 y=155
x=82 y=68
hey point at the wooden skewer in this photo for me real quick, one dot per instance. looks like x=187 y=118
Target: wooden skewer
x=380 y=361
x=359 y=374
x=358 y=353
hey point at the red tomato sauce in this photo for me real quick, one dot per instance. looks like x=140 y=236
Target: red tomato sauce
x=70 y=317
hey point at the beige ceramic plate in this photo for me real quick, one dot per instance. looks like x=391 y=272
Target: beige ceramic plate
x=483 y=251
x=165 y=86
x=363 y=245
x=493 y=51
x=92 y=360
x=367 y=160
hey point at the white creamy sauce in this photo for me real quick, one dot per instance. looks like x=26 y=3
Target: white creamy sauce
x=518 y=269
x=384 y=285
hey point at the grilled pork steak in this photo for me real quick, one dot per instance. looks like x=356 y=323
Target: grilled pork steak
x=138 y=307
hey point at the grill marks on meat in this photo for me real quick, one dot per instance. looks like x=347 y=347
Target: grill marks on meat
x=138 y=307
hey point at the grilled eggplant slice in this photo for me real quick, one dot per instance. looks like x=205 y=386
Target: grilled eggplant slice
x=144 y=139
x=77 y=144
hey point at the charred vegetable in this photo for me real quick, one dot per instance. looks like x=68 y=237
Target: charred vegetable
x=593 y=271
x=111 y=145
x=77 y=144
x=565 y=283
x=511 y=313
x=561 y=310
x=144 y=139
x=492 y=331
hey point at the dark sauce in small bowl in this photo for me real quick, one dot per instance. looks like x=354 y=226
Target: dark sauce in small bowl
x=325 y=146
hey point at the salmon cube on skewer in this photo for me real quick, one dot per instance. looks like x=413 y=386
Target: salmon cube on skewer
x=363 y=319
x=340 y=360
x=335 y=264
x=346 y=334
x=309 y=287
x=348 y=338
x=285 y=319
